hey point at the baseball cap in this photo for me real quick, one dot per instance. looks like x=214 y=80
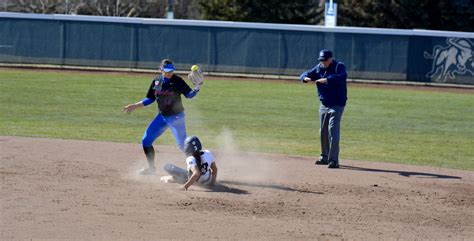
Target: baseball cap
x=168 y=68
x=324 y=55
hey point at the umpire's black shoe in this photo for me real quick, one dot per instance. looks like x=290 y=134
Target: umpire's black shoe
x=321 y=162
x=333 y=164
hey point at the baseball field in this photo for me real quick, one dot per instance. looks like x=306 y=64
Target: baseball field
x=69 y=158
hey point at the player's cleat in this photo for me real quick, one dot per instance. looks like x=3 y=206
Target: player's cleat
x=167 y=179
x=147 y=171
x=333 y=164
x=321 y=162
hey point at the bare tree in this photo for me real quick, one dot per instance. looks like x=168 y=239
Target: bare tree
x=124 y=8
x=184 y=9
x=34 y=6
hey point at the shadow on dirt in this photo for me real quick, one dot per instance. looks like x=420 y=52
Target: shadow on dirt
x=223 y=188
x=401 y=173
x=278 y=187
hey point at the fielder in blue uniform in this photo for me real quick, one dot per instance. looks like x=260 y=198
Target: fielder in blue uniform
x=331 y=79
x=166 y=89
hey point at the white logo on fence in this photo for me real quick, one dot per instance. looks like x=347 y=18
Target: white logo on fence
x=456 y=58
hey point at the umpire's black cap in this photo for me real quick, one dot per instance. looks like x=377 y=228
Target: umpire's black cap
x=324 y=55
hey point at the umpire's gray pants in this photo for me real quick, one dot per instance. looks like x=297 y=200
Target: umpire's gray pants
x=329 y=131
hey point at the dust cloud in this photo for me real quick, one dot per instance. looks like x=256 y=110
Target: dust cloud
x=236 y=165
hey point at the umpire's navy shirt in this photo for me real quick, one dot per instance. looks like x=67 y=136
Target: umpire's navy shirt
x=334 y=92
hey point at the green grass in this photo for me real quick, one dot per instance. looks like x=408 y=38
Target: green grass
x=392 y=125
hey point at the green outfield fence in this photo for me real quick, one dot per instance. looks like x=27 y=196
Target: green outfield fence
x=235 y=47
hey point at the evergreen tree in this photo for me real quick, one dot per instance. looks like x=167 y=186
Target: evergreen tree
x=453 y=15
x=270 y=11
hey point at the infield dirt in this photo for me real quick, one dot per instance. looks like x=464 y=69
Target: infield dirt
x=67 y=189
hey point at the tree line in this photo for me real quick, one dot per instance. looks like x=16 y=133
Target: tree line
x=452 y=15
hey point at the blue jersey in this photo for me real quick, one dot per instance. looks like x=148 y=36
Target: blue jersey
x=334 y=92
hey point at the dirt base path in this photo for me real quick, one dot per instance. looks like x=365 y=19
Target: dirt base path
x=66 y=189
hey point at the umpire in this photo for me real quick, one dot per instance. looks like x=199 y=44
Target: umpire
x=331 y=79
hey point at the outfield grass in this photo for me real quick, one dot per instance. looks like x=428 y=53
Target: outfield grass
x=392 y=125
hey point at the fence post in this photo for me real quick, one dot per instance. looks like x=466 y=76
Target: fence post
x=133 y=46
x=62 y=43
x=209 y=44
x=280 y=40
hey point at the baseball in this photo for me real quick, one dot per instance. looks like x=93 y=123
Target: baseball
x=194 y=68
